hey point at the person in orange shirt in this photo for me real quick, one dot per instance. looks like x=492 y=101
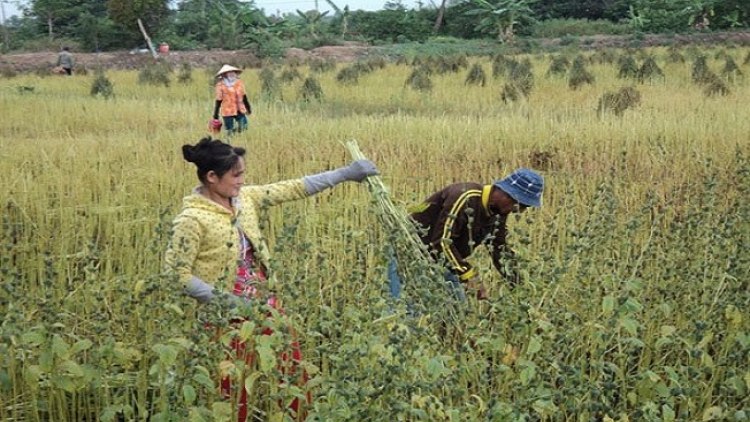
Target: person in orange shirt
x=231 y=100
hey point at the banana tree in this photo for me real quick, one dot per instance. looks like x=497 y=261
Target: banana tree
x=285 y=29
x=636 y=19
x=343 y=14
x=501 y=18
x=698 y=12
x=236 y=22
x=312 y=20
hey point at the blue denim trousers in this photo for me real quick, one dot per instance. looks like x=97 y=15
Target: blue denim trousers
x=394 y=282
x=229 y=122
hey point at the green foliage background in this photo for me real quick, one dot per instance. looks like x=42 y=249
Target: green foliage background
x=233 y=24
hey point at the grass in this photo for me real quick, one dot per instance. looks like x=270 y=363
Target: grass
x=636 y=270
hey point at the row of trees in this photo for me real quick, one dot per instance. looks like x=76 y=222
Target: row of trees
x=231 y=24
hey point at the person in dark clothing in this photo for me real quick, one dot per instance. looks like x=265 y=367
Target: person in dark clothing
x=66 y=61
x=461 y=216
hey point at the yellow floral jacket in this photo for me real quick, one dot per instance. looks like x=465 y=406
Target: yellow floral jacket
x=205 y=239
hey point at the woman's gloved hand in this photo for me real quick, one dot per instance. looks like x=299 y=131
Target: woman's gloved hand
x=357 y=171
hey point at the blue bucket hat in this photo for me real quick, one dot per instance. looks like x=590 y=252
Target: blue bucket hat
x=523 y=185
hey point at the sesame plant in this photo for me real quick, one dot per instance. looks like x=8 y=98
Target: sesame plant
x=419 y=79
x=627 y=67
x=102 y=86
x=558 y=66
x=348 y=75
x=701 y=73
x=649 y=71
x=675 y=55
x=311 y=90
x=270 y=86
x=501 y=64
x=521 y=75
x=476 y=76
x=731 y=71
x=635 y=270
x=579 y=74
x=290 y=75
x=618 y=102
x=185 y=75
x=156 y=74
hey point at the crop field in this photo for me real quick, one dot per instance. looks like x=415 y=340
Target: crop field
x=634 y=305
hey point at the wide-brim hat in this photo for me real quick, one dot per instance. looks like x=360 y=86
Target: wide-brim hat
x=227 y=68
x=523 y=185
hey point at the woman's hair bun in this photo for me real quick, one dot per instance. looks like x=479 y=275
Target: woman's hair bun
x=188 y=153
x=204 y=146
x=212 y=155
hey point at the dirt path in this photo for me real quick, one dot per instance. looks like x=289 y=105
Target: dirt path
x=32 y=62
x=36 y=62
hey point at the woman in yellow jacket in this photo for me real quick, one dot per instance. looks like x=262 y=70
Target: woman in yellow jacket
x=231 y=99
x=216 y=249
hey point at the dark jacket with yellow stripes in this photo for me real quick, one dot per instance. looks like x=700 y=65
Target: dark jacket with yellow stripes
x=456 y=219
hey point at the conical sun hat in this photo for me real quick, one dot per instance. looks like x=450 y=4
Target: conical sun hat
x=525 y=186
x=226 y=68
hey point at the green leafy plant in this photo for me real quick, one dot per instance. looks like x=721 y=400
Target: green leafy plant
x=502 y=18
x=476 y=76
x=579 y=74
x=311 y=90
x=420 y=80
x=618 y=102
x=155 y=74
x=627 y=67
x=102 y=86
x=186 y=73
x=649 y=70
x=558 y=66
x=270 y=86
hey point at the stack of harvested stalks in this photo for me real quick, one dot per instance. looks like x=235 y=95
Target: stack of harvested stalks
x=419 y=272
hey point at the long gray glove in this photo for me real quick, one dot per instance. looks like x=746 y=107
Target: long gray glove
x=200 y=290
x=204 y=293
x=355 y=172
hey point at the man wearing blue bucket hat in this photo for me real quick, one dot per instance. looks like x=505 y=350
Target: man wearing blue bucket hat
x=460 y=216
